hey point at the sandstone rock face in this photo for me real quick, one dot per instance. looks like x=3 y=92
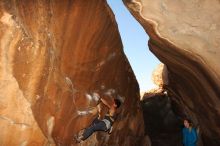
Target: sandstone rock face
x=160 y=78
x=56 y=56
x=185 y=35
x=160 y=75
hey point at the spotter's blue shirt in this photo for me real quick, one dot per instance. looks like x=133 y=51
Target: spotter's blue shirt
x=189 y=137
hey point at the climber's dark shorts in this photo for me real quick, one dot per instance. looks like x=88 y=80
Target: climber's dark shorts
x=97 y=125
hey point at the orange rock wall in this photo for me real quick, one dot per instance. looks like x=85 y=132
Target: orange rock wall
x=55 y=56
x=184 y=35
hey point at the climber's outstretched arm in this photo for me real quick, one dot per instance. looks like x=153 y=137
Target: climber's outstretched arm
x=94 y=111
x=105 y=103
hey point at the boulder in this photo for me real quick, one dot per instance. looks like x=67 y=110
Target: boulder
x=57 y=58
x=184 y=35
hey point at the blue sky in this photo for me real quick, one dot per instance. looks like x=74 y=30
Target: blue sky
x=135 y=40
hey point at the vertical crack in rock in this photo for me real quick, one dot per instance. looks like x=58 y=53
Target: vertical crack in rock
x=50 y=125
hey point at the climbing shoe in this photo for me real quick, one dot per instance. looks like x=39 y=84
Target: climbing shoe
x=77 y=138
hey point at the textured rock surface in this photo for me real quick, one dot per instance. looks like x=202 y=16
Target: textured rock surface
x=161 y=123
x=184 y=35
x=160 y=75
x=160 y=78
x=55 y=55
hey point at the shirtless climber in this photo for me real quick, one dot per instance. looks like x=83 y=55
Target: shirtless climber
x=101 y=125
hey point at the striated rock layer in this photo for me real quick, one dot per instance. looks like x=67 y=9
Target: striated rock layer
x=184 y=35
x=56 y=56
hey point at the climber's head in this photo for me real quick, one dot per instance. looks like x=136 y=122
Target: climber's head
x=117 y=103
x=187 y=123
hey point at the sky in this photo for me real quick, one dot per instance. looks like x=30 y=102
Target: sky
x=135 y=40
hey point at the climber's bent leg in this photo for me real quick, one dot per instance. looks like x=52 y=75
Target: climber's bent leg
x=98 y=126
x=95 y=121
